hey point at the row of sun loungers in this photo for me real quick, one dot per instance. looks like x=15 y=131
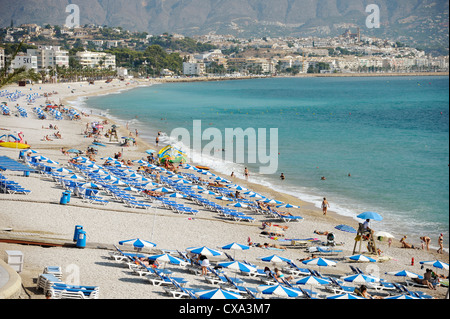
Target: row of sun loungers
x=11 y=187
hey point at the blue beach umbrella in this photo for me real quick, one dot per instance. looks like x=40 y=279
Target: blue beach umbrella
x=401 y=297
x=166 y=258
x=76 y=177
x=272 y=201
x=239 y=205
x=404 y=273
x=360 y=278
x=361 y=258
x=275 y=259
x=163 y=190
x=64 y=170
x=346 y=228
x=150 y=151
x=288 y=206
x=137 y=243
x=177 y=195
x=238 y=266
x=312 y=281
x=345 y=296
x=205 y=251
x=370 y=215
x=322 y=262
x=436 y=263
x=279 y=290
x=217 y=294
x=91 y=185
x=224 y=198
x=235 y=246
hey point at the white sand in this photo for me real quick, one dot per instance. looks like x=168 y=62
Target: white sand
x=41 y=214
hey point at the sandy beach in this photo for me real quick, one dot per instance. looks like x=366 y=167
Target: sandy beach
x=39 y=216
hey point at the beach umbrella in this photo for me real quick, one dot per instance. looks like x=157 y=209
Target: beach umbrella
x=207 y=192
x=64 y=170
x=131 y=189
x=110 y=178
x=224 y=198
x=436 y=263
x=370 y=215
x=163 y=190
x=237 y=265
x=255 y=196
x=238 y=205
x=217 y=294
x=166 y=258
x=205 y=251
x=361 y=258
x=360 y=278
x=140 y=161
x=177 y=195
x=31 y=151
x=272 y=201
x=49 y=161
x=404 y=273
x=346 y=296
x=275 y=259
x=401 y=297
x=312 y=281
x=99 y=171
x=237 y=187
x=198 y=187
x=383 y=234
x=118 y=182
x=76 y=177
x=90 y=185
x=40 y=158
x=322 y=262
x=346 y=228
x=235 y=246
x=137 y=243
x=279 y=290
x=288 y=206
x=108 y=158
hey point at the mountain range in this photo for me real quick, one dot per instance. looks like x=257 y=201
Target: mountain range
x=423 y=23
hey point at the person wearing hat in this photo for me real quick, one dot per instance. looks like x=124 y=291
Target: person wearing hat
x=441 y=244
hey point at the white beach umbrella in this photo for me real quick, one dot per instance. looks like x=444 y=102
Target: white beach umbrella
x=404 y=273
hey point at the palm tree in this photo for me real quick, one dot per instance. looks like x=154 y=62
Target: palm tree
x=18 y=74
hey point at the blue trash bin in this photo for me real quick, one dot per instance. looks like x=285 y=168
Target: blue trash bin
x=78 y=228
x=63 y=200
x=26 y=173
x=81 y=239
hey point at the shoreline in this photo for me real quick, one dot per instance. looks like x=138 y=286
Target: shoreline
x=301 y=75
x=205 y=224
x=308 y=208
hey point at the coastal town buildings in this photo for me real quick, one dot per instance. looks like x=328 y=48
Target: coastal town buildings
x=99 y=60
x=49 y=57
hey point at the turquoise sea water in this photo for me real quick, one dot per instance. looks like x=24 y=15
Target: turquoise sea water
x=390 y=133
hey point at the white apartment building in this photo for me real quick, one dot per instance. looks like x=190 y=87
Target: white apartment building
x=99 y=60
x=26 y=60
x=50 y=56
x=191 y=68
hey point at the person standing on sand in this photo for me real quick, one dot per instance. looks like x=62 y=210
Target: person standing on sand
x=325 y=206
x=441 y=244
x=157 y=141
x=426 y=242
x=246 y=173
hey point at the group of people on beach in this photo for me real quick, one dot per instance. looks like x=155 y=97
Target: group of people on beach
x=425 y=243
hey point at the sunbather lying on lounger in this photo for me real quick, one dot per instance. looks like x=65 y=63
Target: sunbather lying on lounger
x=268 y=224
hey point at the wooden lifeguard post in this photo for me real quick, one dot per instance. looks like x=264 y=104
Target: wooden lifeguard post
x=371 y=245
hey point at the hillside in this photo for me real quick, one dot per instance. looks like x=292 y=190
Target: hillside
x=419 y=22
